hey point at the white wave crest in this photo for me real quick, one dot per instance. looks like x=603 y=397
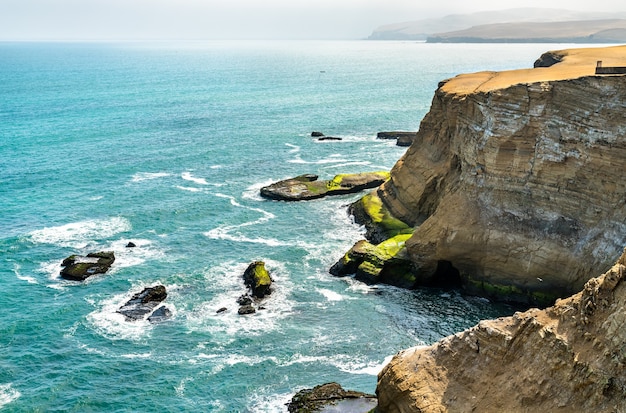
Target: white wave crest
x=294 y=148
x=8 y=394
x=147 y=176
x=27 y=278
x=330 y=295
x=229 y=232
x=190 y=189
x=81 y=234
x=331 y=159
x=187 y=176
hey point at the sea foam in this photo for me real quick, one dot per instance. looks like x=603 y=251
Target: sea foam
x=81 y=234
x=8 y=394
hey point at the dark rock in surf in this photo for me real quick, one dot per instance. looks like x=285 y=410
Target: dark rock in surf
x=221 y=310
x=244 y=300
x=160 y=314
x=79 y=267
x=329 y=138
x=143 y=303
x=131 y=245
x=246 y=309
x=258 y=279
x=402 y=138
x=316 y=134
x=331 y=397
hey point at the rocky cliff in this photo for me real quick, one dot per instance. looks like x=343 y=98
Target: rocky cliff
x=570 y=357
x=516 y=179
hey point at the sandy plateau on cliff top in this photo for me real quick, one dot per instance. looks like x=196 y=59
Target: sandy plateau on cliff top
x=575 y=63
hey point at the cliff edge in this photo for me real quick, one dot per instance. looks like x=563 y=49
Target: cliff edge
x=570 y=357
x=516 y=179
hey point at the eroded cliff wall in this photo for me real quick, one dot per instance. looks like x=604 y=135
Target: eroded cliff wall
x=518 y=178
x=570 y=357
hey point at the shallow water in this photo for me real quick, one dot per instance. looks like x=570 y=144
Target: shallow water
x=167 y=145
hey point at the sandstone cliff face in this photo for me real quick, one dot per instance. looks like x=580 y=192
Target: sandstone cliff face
x=518 y=178
x=570 y=357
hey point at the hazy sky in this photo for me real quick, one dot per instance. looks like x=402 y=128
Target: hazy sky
x=237 y=19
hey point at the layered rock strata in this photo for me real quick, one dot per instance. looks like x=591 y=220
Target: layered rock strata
x=515 y=179
x=570 y=357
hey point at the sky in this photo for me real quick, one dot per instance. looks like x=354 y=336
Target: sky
x=238 y=19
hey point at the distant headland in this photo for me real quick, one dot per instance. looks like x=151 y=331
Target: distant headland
x=525 y=25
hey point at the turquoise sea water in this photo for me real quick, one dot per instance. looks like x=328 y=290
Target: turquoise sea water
x=167 y=145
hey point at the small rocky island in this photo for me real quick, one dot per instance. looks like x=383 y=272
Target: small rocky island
x=79 y=267
x=308 y=187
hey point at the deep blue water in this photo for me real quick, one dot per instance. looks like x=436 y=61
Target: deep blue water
x=167 y=145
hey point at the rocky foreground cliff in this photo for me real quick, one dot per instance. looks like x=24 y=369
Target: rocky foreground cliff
x=568 y=358
x=515 y=182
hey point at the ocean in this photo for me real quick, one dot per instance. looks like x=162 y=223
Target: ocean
x=167 y=145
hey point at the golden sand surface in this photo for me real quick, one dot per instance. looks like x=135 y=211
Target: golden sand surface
x=575 y=63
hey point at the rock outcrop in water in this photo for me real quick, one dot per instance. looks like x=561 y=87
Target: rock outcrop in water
x=144 y=303
x=516 y=180
x=307 y=187
x=570 y=357
x=79 y=267
x=330 y=397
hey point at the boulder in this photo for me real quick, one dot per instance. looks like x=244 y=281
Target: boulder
x=331 y=397
x=144 y=303
x=160 y=314
x=79 y=268
x=131 y=245
x=316 y=134
x=386 y=263
x=246 y=309
x=257 y=279
x=307 y=187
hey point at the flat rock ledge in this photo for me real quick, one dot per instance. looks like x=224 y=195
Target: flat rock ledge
x=79 y=267
x=331 y=397
x=144 y=303
x=402 y=138
x=307 y=187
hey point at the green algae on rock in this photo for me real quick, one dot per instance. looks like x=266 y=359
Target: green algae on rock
x=378 y=220
x=308 y=187
x=258 y=279
x=79 y=268
x=386 y=262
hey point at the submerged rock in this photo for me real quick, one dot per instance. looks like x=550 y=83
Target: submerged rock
x=331 y=397
x=144 y=303
x=307 y=187
x=329 y=138
x=160 y=314
x=79 y=268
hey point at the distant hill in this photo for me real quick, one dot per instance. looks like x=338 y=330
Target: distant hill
x=422 y=29
x=586 y=31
